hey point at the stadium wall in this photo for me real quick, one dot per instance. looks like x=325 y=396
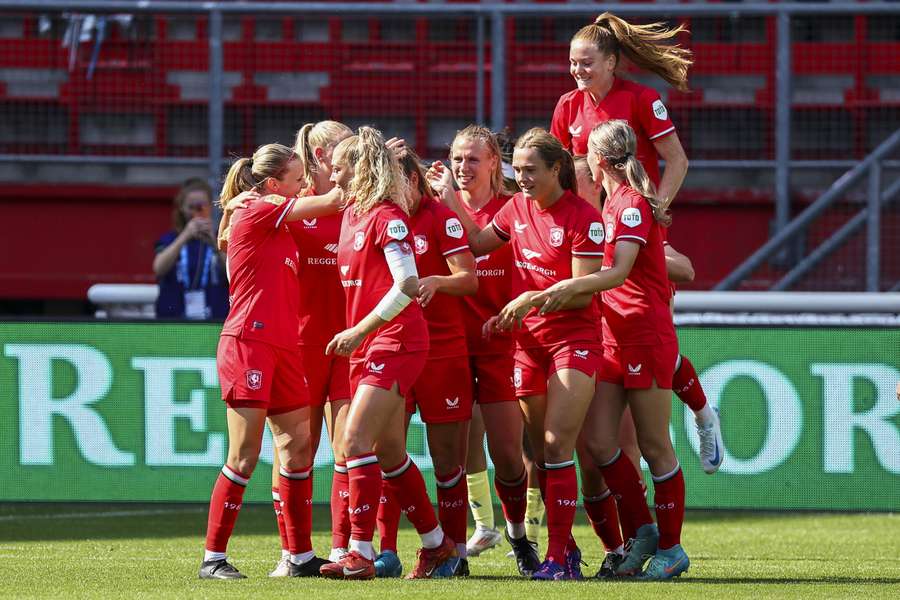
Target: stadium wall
x=131 y=412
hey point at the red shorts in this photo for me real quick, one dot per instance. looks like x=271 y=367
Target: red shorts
x=637 y=367
x=383 y=368
x=443 y=392
x=258 y=375
x=534 y=366
x=492 y=376
x=328 y=375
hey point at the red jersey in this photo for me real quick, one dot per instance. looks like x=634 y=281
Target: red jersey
x=577 y=114
x=494 y=287
x=262 y=274
x=321 y=295
x=366 y=278
x=543 y=244
x=637 y=312
x=437 y=234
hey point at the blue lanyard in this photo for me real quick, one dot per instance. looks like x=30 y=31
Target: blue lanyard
x=207 y=261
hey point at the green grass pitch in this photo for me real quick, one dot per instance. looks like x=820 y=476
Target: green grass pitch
x=153 y=551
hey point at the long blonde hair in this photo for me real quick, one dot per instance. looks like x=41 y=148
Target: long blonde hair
x=551 y=152
x=643 y=45
x=616 y=142
x=323 y=134
x=245 y=174
x=377 y=176
x=489 y=139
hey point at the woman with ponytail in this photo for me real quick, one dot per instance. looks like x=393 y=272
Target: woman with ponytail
x=554 y=235
x=258 y=357
x=639 y=354
x=387 y=342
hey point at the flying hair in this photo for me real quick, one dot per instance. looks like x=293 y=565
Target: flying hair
x=245 y=174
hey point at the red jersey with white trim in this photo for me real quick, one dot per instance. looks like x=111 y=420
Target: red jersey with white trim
x=637 y=312
x=366 y=277
x=262 y=274
x=321 y=295
x=543 y=244
x=577 y=114
x=437 y=235
x=494 y=273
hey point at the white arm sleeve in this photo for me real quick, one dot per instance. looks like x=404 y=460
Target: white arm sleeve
x=402 y=265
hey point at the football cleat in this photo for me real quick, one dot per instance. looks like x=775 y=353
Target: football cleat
x=462 y=569
x=429 y=559
x=711 y=444
x=526 y=555
x=611 y=562
x=666 y=564
x=573 y=564
x=352 y=565
x=311 y=568
x=448 y=568
x=282 y=569
x=482 y=540
x=550 y=570
x=639 y=550
x=387 y=564
x=219 y=569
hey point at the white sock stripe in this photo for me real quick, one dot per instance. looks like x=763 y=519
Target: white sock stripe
x=294 y=474
x=677 y=364
x=599 y=498
x=452 y=481
x=613 y=459
x=398 y=472
x=518 y=481
x=667 y=476
x=361 y=461
x=561 y=465
x=234 y=477
x=340 y=468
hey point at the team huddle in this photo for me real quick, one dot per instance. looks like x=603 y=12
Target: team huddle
x=525 y=298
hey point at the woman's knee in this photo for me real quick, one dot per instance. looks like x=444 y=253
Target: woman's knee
x=243 y=461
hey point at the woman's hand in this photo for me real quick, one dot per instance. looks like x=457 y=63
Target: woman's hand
x=240 y=201
x=440 y=179
x=345 y=342
x=428 y=287
x=396 y=145
x=335 y=197
x=512 y=314
x=489 y=327
x=556 y=296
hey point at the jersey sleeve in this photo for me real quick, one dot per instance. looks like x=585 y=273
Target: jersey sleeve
x=559 y=126
x=588 y=233
x=633 y=220
x=391 y=226
x=269 y=211
x=502 y=220
x=449 y=231
x=653 y=115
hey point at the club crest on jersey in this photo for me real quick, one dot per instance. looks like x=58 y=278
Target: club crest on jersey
x=595 y=232
x=309 y=223
x=659 y=110
x=517 y=378
x=274 y=199
x=397 y=229
x=421 y=244
x=359 y=240
x=609 y=232
x=556 y=236
x=454 y=228
x=631 y=217
x=254 y=379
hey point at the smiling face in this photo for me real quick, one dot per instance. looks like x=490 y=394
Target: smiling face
x=290 y=183
x=536 y=179
x=341 y=172
x=592 y=69
x=472 y=163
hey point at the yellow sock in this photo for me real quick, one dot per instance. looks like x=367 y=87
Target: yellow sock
x=480 y=500
x=534 y=514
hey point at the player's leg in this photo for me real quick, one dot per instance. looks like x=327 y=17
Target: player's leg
x=481 y=503
x=534 y=503
x=282 y=568
x=600 y=507
x=387 y=562
x=335 y=417
x=686 y=385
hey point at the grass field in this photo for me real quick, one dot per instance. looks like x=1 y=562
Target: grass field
x=152 y=551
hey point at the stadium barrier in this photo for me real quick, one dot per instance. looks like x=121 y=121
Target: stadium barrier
x=107 y=411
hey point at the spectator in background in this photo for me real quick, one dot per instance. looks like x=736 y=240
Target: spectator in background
x=189 y=269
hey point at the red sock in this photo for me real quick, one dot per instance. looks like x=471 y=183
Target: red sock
x=453 y=507
x=513 y=498
x=340 y=502
x=669 y=500
x=224 y=506
x=561 y=502
x=406 y=484
x=604 y=517
x=279 y=517
x=627 y=488
x=542 y=482
x=388 y=519
x=686 y=385
x=296 y=497
x=365 y=490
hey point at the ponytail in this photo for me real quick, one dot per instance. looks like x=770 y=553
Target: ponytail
x=644 y=45
x=239 y=179
x=245 y=174
x=552 y=153
x=324 y=134
x=305 y=153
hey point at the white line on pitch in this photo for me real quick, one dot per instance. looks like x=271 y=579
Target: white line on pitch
x=110 y=514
